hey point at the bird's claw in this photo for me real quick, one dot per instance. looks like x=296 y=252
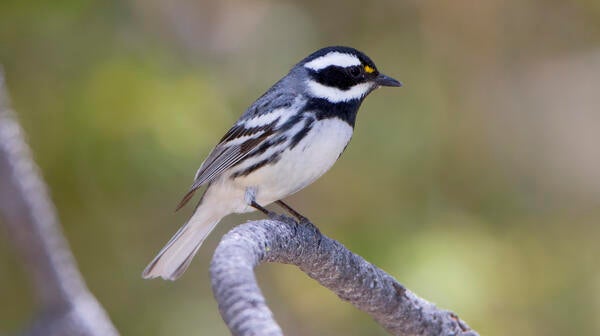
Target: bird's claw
x=282 y=218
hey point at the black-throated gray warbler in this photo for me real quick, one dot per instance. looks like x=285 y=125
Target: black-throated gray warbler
x=286 y=140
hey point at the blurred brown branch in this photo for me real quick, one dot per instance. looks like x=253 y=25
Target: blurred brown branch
x=67 y=306
x=352 y=278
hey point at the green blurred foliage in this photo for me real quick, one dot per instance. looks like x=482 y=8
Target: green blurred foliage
x=476 y=185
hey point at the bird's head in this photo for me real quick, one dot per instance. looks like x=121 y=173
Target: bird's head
x=340 y=74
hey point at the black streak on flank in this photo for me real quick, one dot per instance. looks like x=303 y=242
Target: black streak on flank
x=270 y=160
x=308 y=125
x=266 y=145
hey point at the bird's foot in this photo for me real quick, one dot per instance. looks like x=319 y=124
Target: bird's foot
x=281 y=218
x=305 y=221
x=300 y=220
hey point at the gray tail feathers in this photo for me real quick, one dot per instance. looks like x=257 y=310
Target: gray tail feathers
x=172 y=261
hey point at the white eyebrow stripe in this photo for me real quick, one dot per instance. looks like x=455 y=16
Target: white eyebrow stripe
x=336 y=95
x=333 y=58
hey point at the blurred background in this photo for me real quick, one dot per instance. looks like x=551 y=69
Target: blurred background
x=476 y=185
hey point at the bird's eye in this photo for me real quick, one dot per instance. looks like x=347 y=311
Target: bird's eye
x=355 y=71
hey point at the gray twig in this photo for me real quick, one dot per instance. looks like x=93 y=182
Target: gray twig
x=353 y=279
x=66 y=305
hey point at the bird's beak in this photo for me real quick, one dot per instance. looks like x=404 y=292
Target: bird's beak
x=383 y=80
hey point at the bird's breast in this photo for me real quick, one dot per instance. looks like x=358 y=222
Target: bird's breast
x=322 y=146
x=303 y=163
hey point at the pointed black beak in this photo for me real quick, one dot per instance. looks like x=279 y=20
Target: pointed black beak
x=383 y=80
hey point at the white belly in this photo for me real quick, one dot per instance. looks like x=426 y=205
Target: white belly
x=302 y=165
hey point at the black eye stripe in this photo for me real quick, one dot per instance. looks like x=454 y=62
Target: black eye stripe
x=336 y=76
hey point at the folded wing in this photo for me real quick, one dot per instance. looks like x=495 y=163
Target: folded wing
x=233 y=147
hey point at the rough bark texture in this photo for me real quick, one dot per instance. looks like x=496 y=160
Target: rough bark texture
x=66 y=305
x=353 y=279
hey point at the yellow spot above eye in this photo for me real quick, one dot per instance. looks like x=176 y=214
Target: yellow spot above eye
x=368 y=69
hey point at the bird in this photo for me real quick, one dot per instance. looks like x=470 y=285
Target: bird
x=283 y=142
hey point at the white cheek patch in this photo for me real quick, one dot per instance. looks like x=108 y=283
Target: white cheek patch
x=336 y=95
x=333 y=58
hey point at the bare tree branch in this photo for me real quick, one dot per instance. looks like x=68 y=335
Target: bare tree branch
x=67 y=306
x=353 y=279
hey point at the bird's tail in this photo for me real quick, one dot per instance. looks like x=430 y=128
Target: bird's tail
x=172 y=261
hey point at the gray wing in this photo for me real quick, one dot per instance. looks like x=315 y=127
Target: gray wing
x=230 y=151
x=240 y=140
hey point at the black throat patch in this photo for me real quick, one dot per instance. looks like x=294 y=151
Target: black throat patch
x=324 y=109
